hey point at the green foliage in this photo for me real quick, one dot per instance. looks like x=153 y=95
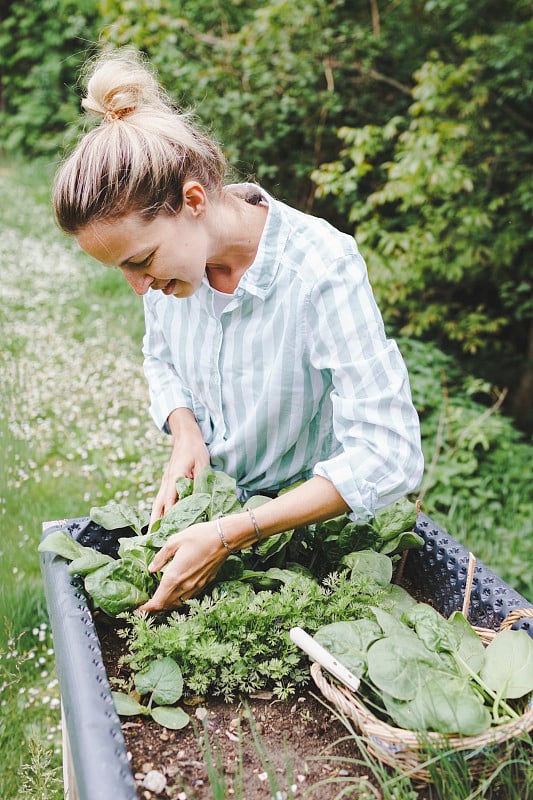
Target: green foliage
x=163 y=682
x=478 y=465
x=116 y=585
x=119 y=515
x=236 y=640
x=275 y=78
x=441 y=197
x=42 y=46
x=39 y=776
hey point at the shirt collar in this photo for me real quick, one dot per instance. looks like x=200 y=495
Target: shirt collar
x=260 y=275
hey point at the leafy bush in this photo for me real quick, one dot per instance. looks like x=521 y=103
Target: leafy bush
x=278 y=78
x=478 y=465
x=441 y=202
x=42 y=46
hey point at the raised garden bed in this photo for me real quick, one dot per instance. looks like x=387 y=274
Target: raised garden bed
x=103 y=759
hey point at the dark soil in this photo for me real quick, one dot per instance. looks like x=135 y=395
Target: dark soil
x=261 y=748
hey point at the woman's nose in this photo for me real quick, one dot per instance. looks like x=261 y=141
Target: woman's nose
x=139 y=281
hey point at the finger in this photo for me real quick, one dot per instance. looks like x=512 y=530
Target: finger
x=161 y=506
x=165 y=599
x=199 y=466
x=163 y=556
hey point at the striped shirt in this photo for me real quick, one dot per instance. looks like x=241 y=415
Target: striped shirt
x=294 y=376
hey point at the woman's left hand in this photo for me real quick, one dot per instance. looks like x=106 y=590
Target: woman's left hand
x=192 y=558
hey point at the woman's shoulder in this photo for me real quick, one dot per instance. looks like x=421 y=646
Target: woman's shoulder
x=314 y=245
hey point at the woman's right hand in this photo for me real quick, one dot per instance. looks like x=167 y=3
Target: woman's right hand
x=189 y=457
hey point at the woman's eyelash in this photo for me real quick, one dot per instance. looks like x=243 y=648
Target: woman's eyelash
x=144 y=263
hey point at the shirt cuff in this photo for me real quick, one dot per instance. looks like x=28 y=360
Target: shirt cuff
x=360 y=495
x=161 y=408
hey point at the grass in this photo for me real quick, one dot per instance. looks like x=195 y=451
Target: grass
x=75 y=432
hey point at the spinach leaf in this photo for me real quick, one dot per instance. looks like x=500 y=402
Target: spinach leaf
x=256 y=500
x=62 y=544
x=119 y=515
x=400 y=517
x=377 y=566
x=223 y=496
x=508 y=667
x=184 y=487
x=130 y=544
x=390 y=624
x=400 y=665
x=186 y=512
x=404 y=541
x=274 y=545
x=397 y=600
x=339 y=537
x=168 y=717
x=285 y=575
x=221 y=489
x=88 y=562
x=137 y=550
x=163 y=679
x=442 y=703
x=119 y=586
x=470 y=649
x=127 y=706
x=431 y=627
x=349 y=641
x=232 y=569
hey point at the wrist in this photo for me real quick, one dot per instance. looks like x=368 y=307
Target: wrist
x=238 y=531
x=182 y=422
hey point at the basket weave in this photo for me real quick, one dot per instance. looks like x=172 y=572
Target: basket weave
x=409 y=751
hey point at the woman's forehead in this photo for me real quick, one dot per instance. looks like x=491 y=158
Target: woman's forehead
x=110 y=240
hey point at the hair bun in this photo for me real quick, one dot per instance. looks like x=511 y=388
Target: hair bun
x=119 y=85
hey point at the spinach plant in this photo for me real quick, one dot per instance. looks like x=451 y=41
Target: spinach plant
x=163 y=682
x=114 y=585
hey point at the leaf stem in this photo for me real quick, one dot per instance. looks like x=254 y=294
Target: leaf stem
x=498 y=700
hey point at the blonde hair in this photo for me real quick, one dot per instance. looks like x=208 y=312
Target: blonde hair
x=138 y=157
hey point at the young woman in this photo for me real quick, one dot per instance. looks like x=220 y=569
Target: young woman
x=264 y=351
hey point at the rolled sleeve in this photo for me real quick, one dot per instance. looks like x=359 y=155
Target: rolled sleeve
x=379 y=455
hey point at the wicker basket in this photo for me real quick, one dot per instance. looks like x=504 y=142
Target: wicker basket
x=409 y=751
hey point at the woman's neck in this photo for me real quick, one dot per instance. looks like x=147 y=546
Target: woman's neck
x=238 y=226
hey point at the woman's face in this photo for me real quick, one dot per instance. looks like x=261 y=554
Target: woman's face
x=168 y=253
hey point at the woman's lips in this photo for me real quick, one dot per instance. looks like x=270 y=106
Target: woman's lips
x=170 y=287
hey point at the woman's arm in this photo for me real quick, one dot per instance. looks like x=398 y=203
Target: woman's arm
x=171 y=405
x=374 y=420
x=194 y=556
x=189 y=457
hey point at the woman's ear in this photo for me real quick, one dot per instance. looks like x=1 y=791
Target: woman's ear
x=194 y=197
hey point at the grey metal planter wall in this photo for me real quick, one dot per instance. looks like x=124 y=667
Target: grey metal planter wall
x=95 y=761
x=95 y=757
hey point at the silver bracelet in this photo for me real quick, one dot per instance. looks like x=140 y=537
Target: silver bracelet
x=223 y=538
x=254 y=523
